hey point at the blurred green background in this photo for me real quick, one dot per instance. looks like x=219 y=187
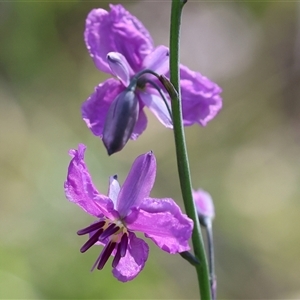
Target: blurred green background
x=247 y=158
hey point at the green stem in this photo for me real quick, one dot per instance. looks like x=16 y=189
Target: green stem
x=181 y=153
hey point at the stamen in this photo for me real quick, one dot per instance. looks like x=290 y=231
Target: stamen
x=110 y=230
x=106 y=252
x=121 y=251
x=91 y=228
x=122 y=247
x=91 y=241
x=116 y=258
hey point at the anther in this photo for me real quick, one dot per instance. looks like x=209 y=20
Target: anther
x=94 y=239
x=121 y=250
x=91 y=228
x=110 y=230
x=106 y=252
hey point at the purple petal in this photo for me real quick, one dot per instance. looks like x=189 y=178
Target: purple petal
x=201 y=100
x=158 y=60
x=119 y=67
x=133 y=262
x=157 y=107
x=79 y=187
x=116 y=31
x=138 y=183
x=162 y=221
x=113 y=189
x=140 y=125
x=95 y=108
x=204 y=203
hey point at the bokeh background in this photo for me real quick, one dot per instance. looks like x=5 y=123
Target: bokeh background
x=247 y=158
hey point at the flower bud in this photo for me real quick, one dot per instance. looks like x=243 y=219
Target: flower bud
x=120 y=121
x=205 y=206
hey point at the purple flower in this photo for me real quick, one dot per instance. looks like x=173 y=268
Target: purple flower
x=120 y=45
x=204 y=205
x=126 y=209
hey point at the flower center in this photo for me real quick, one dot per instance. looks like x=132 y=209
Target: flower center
x=113 y=234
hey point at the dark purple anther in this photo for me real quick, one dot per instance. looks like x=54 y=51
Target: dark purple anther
x=91 y=228
x=121 y=250
x=122 y=247
x=94 y=239
x=110 y=230
x=116 y=258
x=106 y=252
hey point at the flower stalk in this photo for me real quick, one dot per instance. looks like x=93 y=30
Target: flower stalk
x=181 y=152
x=211 y=259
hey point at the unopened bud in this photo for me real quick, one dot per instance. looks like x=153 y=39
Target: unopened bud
x=205 y=207
x=120 y=121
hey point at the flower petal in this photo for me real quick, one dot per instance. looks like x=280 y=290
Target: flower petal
x=138 y=183
x=119 y=67
x=79 y=187
x=133 y=262
x=201 y=100
x=162 y=221
x=113 y=189
x=158 y=60
x=116 y=31
x=157 y=107
x=95 y=108
x=140 y=125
